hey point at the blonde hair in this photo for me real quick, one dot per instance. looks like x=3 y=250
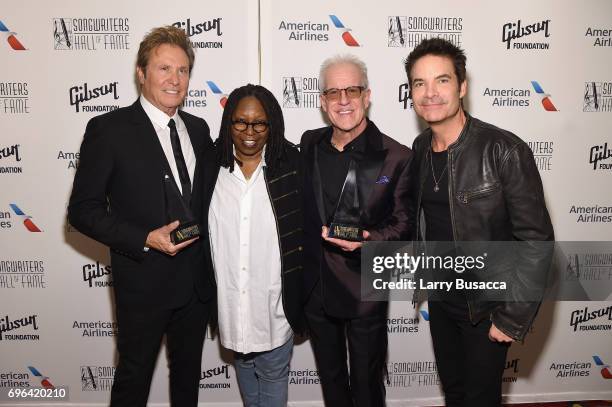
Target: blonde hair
x=163 y=35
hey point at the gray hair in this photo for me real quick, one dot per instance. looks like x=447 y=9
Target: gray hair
x=343 y=59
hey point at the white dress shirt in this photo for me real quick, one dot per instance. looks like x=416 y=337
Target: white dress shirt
x=160 y=123
x=246 y=258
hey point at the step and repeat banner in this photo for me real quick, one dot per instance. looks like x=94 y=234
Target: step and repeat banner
x=541 y=70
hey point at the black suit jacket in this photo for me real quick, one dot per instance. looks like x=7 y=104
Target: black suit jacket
x=383 y=179
x=118 y=198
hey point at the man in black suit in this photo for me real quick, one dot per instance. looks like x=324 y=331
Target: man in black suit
x=119 y=198
x=334 y=309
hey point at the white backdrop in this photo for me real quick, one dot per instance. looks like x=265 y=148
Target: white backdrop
x=56 y=282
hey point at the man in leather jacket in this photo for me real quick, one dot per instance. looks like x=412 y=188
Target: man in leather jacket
x=474 y=182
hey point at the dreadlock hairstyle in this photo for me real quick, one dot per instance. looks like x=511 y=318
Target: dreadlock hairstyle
x=275 y=145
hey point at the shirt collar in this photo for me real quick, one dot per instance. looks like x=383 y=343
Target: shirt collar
x=238 y=172
x=157 y=117
x=357 y=144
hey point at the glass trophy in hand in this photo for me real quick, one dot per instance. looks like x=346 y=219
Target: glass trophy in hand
x=346 y=220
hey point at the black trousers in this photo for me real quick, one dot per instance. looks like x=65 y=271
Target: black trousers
x=367 y=348
x=138 y=343
x=469 y=364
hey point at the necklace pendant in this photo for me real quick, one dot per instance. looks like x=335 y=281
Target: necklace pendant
x=436 y=188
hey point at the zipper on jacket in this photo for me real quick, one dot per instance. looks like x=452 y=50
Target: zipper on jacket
x=451 y=195
x=466 y=196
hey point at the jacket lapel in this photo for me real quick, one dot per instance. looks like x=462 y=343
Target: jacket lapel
x=313 y=168
x=370 y=169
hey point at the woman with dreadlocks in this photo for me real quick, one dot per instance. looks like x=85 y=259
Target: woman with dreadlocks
x=253 y=198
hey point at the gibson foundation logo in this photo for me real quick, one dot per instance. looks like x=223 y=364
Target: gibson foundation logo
x=95 y=329
x=412 y=374
x=587 y=319
x=215 y=374
x=91 y=34
x=97 y=378
x=403 y=96
x=597 y=97
x=599 y=157
x=409 y=31
x=22 y=274
x=14 y=98
x=514 y=34
x=84 y=93
x=301 y=92
x=599 y=37
x=8 y=154
x=542 y=154
x=9 y=325
x=592 y=214
x=196 y=28
x=93 y=274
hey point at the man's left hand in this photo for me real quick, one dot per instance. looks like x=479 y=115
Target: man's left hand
x=495 y=335
x=346 y=245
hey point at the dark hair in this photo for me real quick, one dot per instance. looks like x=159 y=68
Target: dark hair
x=163 y=35
x=275 y=145
x=439 y=47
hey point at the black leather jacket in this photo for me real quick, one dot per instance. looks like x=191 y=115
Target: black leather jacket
x=495 y=194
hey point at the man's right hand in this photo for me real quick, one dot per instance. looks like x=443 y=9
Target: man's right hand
x=159 y=239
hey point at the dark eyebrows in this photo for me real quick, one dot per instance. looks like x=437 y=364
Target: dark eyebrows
x=443 y=76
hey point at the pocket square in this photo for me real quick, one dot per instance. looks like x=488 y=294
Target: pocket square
x=383 y=180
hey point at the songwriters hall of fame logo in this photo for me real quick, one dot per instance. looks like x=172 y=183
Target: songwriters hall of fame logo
x=91 y=34
x=301 y=92
x=405 y=31
x=597 y=97
x=97 y=378
x=589 y=267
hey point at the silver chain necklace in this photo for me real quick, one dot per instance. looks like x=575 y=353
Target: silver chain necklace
x=436 y=187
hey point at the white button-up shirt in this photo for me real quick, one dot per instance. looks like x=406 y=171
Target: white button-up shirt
x=246 y=258
x=160 y=123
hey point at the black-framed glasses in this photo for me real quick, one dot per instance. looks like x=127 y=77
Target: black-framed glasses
x=352 y=92
x=258 y=127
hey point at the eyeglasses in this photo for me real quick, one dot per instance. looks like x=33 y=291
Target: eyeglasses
x=258 y=127
x=352 y=92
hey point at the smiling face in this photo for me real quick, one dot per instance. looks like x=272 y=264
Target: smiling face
x=165 y=80
x=346 y=115
x=249 y=143
x=436 y=92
